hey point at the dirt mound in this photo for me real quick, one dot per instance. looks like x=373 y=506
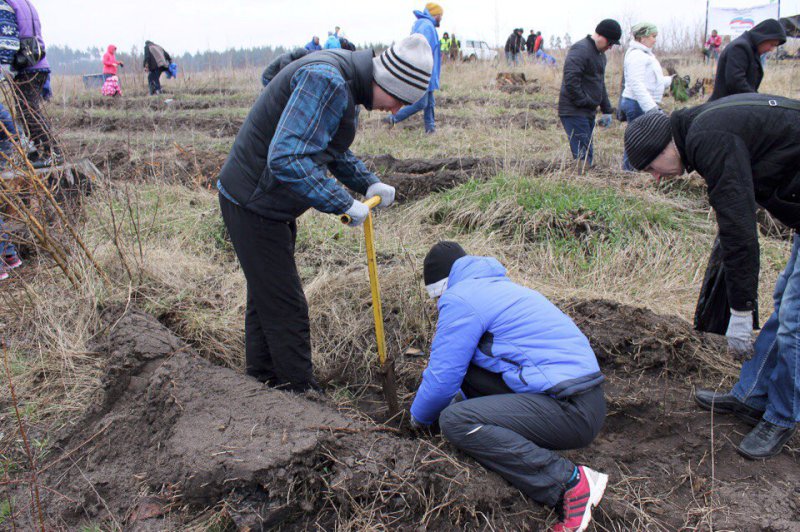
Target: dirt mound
x=417 y=178
x=169 y=429
x=171 y=433
x=637 y=339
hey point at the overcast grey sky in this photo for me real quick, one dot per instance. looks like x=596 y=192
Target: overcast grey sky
x=191 y=25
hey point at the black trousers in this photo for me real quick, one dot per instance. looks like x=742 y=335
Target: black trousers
x=276 y=325
x=28 y=89
x=154 y=81
x=517 y=434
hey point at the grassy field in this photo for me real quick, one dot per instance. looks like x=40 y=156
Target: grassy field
x=153 y=225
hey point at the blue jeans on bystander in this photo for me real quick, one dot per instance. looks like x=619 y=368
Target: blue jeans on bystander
x=7 y=249
x=632 y=111
x=579 y=132
x=426 y=103
x=770 y=380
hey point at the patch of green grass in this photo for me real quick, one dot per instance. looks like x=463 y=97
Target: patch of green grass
x=580 y=219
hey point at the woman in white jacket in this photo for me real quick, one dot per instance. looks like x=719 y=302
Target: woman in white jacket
x=645 y=82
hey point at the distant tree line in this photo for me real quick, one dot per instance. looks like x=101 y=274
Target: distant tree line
x=66 y=60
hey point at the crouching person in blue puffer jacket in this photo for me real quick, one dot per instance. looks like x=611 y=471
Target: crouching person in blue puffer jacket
x=530 y=380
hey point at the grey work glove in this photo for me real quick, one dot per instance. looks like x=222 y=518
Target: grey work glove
x=386 y=193
x=605 y=120
x=357 y=212
x=740 y=333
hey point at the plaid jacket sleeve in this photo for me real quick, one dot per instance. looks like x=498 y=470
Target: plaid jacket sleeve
x=309 y=121
x=351 y=171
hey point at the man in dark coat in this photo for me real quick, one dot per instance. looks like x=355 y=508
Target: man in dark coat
x=281 y=62
x=156 y=61
x=583 y=88
x=512 y=49
x=747 y=148
x=530 y=43
x=300 y=129
x=740 y=69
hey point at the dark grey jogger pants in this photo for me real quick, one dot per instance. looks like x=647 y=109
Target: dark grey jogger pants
x=516 y=435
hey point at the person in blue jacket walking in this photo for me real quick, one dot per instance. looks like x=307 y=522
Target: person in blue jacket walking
x=313 y=45
x=333 y=42
x=427 y=22
x=530 y=382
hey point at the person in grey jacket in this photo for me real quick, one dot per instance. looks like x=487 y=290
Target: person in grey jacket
x=583 y=88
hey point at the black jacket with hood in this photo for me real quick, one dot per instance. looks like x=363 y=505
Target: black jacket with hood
x=246 y=175
x=747 y=148
x=739 y=69
x=512 y=43
x=583 y=87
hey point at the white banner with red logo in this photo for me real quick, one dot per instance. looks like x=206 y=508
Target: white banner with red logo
x=734 y=22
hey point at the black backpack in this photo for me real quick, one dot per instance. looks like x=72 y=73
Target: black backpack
x=29 y=54
x=30 y=50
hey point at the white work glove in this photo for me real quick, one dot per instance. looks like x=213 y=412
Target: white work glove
x=357 y=212
x=740 y=333
x=605 y=120
x=386 y=192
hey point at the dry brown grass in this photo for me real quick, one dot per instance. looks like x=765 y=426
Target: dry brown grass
x=164 y=248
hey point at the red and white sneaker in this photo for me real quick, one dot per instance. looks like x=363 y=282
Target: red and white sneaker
x=576 y=510
x=12 y=261
x=3 y=273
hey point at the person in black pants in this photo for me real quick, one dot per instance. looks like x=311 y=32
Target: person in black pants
x=299 y=129
x=529 y=378
x=156 y=61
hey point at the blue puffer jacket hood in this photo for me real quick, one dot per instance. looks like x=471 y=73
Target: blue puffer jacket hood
x=487 y=320
x=426 y=26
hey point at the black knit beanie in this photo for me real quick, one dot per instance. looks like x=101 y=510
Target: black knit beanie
x=646 y=137
x=439 y=261
x=610 y=29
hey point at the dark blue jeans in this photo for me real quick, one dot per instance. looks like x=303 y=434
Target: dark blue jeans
x=426 y=103
x=6 y=247
x=632 y=111
x=770 y=380
x=5 y=140
x=154 y=81
x=579 y=132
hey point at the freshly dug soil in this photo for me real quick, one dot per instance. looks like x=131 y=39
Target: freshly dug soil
x=418 y=178
x=169 y=429
x=169 y=433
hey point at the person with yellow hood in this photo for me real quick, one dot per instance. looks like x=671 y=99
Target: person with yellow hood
x=427 y=22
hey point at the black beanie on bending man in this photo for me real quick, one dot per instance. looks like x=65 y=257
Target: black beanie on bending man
x=438 y=263
x=646 y=137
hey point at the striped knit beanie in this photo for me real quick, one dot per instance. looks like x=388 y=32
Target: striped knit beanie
x=646 y=137
x=404 y=70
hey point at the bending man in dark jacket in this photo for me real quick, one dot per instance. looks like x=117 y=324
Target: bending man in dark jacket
x=531 y=381
x=739 y=69
x=747 y=148
x=156 y=61
x=583 y=88
x=302 y=125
